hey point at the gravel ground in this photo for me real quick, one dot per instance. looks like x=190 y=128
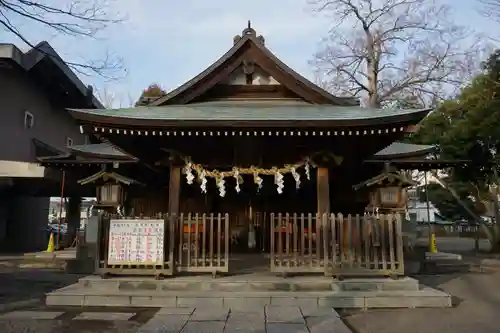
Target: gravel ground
x=477 y=309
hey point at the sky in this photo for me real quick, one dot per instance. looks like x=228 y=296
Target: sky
x=169 y=42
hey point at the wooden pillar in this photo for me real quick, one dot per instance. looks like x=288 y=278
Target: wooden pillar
x=174 y=193
x=323 y=197
x=174 y=190
x=323 y=191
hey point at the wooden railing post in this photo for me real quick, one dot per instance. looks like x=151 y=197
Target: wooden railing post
x=273 y=246
x=226 y=241
x=326 y=233
x=170 y=221
x=399 y=244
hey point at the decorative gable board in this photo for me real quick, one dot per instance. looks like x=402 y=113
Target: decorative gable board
x=259 y=77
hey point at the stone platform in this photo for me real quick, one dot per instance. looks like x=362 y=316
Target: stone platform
x=248 y=290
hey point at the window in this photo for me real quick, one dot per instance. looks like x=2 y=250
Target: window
x=69 y=142
x=29 y=120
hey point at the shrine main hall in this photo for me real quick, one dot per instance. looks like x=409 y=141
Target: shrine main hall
x=247 y=167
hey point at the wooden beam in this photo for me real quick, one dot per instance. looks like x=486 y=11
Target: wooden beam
x=323 y=190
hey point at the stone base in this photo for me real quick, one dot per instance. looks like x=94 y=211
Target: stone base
x=442 y=256
x=80 y=266
x=233 y=292
x=248 y=283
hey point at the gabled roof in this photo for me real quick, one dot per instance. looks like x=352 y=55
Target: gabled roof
x=386 y=178
x=100 y=153
x=250 y=47
x=421 y=164
x=108 y=175
x=402 y=149
x=36 y=56
x=104 y=149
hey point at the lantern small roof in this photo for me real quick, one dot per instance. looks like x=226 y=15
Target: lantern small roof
x=386 y=178
x=404 y=150
x=104 y=175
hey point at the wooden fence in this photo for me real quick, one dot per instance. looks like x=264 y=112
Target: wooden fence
x=203 y=243
x=192 y=243
x=331 y=244
x=337 y=245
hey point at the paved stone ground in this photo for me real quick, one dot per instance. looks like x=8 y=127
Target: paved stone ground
x=477 y=304
x=74 y=320
x=21 y=284
x=271 y=319
x=176 y=320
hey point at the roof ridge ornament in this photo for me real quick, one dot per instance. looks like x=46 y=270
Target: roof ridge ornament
x=249 y=31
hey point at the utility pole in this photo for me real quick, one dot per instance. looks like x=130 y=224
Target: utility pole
x=432 y=236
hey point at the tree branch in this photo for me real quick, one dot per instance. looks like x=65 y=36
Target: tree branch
x=81 y=18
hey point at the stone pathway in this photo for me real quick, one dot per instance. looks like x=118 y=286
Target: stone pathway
x=45 y=320
x=253 y=320
x=271 y=319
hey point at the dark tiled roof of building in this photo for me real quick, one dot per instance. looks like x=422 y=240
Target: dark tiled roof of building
x=251 y=112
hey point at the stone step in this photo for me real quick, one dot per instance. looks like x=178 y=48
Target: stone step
x=76 y=295
x=446 y=267
x=236 y=284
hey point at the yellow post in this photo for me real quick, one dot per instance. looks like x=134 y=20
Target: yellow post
x=432 y=244
x=50 y=246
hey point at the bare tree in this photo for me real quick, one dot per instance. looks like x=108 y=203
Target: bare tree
x=490 y=9
x=76 y=18
x=390 y=51
x=112 y=100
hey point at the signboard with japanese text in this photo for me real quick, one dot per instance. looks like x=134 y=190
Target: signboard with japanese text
x=136 y=242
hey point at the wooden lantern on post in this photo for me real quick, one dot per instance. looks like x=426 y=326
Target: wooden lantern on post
x=109 y=194
x=387 y=191
x=110 y=190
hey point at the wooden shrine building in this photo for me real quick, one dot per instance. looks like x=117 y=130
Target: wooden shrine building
x=248 y=158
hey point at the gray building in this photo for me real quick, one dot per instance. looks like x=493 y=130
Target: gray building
x=37 y=86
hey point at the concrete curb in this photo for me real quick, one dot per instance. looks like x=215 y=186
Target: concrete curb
x=20 y=304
